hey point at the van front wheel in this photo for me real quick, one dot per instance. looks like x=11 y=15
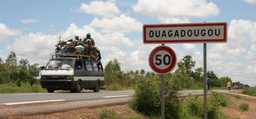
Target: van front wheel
x=77 y=88
x=50 y=90
x=97 y=88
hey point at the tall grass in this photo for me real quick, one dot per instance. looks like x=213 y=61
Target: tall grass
x=250 y=91
x=25 y=88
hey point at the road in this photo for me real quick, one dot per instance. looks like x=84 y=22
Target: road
x=26 y=98
x=30 y=98
x=41 y=103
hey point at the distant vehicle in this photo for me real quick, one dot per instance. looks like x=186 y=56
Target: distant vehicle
x=76 y=65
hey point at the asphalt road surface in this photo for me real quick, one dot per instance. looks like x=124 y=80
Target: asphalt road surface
x=31 y=98
x=43 y=103
x=27 y=98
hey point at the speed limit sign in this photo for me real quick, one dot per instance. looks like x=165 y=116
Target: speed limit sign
x=162 y=59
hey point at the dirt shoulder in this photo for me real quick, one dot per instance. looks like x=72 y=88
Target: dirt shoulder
x=233 y=109
x=122 y=111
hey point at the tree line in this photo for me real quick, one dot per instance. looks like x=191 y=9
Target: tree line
x=186 y=75
x=17 y=72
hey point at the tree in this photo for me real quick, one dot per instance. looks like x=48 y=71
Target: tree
x=184 y=74
x=198 y=74
x=11 y=59
x=112 y=71
x=142 y=71
x=24 y=62
x=213 y=79
x=224 y=80
x=1 y=61
x=187 y=64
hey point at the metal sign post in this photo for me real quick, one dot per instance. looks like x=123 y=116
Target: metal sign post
x=205 y=81
x=162 y=60
x=162 y=96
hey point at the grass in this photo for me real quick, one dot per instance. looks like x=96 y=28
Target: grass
x=108 y=114
x=250 y=91
x=243 y=107
x=115 y=86
x=12 y=88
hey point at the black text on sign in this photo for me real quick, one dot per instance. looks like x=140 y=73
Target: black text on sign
x=162 y=59
x=194 y=32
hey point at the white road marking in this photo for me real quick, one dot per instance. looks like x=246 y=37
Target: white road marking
x=32 y=102
x=116 y=96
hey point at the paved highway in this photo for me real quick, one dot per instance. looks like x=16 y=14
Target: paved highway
x=39 y=103
x=27 y=98
x=30 y=98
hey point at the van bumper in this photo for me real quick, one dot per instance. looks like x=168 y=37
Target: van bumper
x=58 y=84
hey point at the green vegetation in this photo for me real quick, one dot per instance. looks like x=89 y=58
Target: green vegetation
x=18 y=76
x=186 y=76
x=147 y=99
x=147 y=102
x=220 y=99
x=243 y=107
x=108 y=114
x=12 y=88
x=192 y=108
x=250 y=91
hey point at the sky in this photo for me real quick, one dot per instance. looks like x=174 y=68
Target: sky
x=31 y=28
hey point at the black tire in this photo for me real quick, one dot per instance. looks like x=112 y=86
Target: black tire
x=77 y=88
x=50 y=90
x=97 y=87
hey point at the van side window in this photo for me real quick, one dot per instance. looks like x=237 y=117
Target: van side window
x=88 y=65
x=78 y=65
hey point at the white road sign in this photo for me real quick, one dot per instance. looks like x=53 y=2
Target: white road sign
x=190 y=33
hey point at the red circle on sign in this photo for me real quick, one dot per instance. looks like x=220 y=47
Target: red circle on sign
x=165 y=68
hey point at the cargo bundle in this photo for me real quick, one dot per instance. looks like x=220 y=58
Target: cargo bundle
x=78 y=47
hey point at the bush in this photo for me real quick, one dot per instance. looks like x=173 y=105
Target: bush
x=220 y=99
x=243 y=107
x=107 y=114
x=192 y=108
x=147 y=100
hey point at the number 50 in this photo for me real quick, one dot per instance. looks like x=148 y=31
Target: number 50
x=162 y=59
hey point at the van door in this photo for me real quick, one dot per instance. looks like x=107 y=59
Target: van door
x=79 y=69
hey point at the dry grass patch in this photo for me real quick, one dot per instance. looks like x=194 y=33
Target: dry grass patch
x=122 y=111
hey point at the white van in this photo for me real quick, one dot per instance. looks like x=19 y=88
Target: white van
x=71 y=73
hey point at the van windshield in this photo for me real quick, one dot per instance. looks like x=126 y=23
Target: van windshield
x=64 y=64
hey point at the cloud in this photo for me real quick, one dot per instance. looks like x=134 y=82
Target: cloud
x=29 y=21
x=251 y=1
x=236 y=56
x=100 y=8
x=6 y=32
x=174 y=8
x=189 y=46
x=37 y=47
x=174 y=20
x=120 y=23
